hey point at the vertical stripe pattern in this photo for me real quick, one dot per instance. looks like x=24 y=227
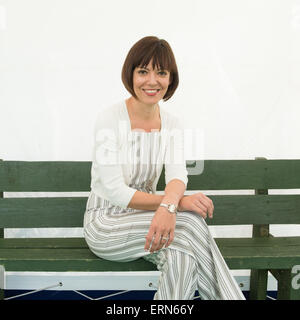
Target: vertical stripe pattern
x=192 y=261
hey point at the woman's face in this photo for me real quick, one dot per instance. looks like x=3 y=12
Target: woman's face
x=150 y=85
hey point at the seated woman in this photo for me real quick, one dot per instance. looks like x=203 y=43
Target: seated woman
x=125 y=219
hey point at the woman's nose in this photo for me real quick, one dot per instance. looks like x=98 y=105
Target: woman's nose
x=152 y=77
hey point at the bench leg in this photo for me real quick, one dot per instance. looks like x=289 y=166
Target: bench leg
x=258 y=284
x=288 y=284
x=2 y=282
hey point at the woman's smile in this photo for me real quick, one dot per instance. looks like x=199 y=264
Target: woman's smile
x=151 y=92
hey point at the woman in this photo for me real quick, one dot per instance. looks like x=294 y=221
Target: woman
x=124 y=218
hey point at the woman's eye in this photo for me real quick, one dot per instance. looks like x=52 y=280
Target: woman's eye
x=163 y=73
x=142 y=71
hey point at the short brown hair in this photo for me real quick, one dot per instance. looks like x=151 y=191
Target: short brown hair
x=140 y=55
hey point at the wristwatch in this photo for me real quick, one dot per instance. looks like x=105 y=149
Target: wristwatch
x=172 y=208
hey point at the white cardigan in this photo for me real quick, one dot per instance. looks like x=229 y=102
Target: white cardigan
x=110 y=172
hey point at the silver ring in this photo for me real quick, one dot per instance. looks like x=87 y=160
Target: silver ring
x=164 y=238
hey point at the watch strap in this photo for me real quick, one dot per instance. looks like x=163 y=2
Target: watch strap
x=172 y=208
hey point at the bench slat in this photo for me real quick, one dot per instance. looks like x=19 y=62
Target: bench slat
x=41 y=212
x=239 y=253
x=80 y=243
x=64 y=260
x=247 y=174
x=229 y=210
x=43 y=243
x=47 y=176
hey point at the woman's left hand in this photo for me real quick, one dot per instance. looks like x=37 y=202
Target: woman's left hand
x=197 y=202
x=161 y=231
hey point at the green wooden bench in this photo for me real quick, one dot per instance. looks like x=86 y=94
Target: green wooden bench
x=260 y=253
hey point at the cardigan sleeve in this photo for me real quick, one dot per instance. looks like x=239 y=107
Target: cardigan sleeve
x=107 y=180
x=175 y=164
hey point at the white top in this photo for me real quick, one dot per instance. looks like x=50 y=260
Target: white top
x=113 y=157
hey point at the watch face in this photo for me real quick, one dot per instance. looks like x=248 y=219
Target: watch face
x=172 y=208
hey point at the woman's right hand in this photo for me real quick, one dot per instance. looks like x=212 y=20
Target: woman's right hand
x=161 y=231
x=197 y=202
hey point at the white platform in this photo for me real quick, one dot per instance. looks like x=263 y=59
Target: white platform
x=104 y=280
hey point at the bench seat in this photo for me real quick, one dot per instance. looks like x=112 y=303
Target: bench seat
x=73 y=254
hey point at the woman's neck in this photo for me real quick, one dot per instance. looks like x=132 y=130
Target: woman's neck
x=142 y=111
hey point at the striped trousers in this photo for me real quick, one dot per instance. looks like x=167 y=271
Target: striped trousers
x=191 y=262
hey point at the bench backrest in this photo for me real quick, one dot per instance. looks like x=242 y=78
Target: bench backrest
x=65 y=176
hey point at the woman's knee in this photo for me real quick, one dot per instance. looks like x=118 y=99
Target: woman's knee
x=190 y=219
x=191 y=226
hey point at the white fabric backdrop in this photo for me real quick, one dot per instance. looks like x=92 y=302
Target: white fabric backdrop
x=239 y=65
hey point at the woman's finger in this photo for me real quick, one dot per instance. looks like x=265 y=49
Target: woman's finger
x=203 y=208
x=149 y=238
x=171 y=238
x=197 y=209
x=205 y=201
x=163 y=241
x=155 y=241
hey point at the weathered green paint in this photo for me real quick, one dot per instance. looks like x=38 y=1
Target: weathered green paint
x=1 y=197
x=42 y=212
x=247 y=174
x=260 y=253
x=258 y=284
x=2 y=283
x=217 y=175
x=45 y=176
x=259 y=278
x=69 y=211
x=1 y=236
x=43 y=243
x=64 y=254
x=285 y=288
x=259 y=245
